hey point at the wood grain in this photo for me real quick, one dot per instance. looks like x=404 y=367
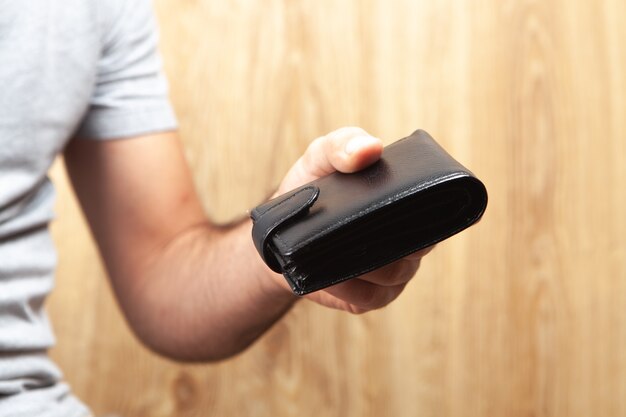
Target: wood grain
x=522 y=315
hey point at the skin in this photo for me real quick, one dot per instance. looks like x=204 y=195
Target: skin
x=192 y=290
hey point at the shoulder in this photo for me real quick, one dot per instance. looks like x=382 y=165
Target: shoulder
x=120 y=19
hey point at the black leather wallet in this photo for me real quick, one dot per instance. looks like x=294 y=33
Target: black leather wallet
x=344 y=225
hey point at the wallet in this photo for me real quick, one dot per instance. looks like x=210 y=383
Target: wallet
x=343 y=225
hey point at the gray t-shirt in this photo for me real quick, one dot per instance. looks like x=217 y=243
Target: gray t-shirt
x=68 y=68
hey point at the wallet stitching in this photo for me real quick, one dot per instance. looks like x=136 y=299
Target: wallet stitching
x=401 y=194
x=285 y=200
x=284 y=217
x=272 y=226
x=322 y=284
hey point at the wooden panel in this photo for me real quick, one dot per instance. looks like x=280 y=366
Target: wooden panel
x=521 y=315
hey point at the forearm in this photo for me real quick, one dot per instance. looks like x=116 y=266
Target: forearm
x=191 y=290
x=205 y=295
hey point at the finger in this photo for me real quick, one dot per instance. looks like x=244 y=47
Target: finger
x=396 y=273
x=346 y=150
x=360 y=296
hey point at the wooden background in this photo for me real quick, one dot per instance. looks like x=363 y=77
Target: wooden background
x=522 y=315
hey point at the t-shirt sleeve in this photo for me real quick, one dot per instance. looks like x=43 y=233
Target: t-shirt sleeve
x=130 y=95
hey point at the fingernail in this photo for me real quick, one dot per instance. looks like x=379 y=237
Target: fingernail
x=359 y=142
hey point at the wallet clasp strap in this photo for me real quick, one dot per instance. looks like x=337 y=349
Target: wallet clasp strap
x=269 y=216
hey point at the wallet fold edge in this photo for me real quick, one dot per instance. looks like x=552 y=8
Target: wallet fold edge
x=271 y=215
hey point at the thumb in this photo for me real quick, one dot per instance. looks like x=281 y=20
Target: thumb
x=348 y=149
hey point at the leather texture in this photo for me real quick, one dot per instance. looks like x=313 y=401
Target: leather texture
x=344 y=225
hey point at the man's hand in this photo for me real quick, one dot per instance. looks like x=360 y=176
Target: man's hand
x=189 y=289
x=350 y=149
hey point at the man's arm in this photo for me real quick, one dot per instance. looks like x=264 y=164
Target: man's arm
x=192 y=290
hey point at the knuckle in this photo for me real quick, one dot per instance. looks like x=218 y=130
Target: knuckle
x=374 y=297
x=410 y=269
x=403 y=271
x=347 y=131
x=396 y=279
x=356 y=310
x=322 y=147
x=316 y=145
x=314 y=158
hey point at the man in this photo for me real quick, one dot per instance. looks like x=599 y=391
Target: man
x=83 y=77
